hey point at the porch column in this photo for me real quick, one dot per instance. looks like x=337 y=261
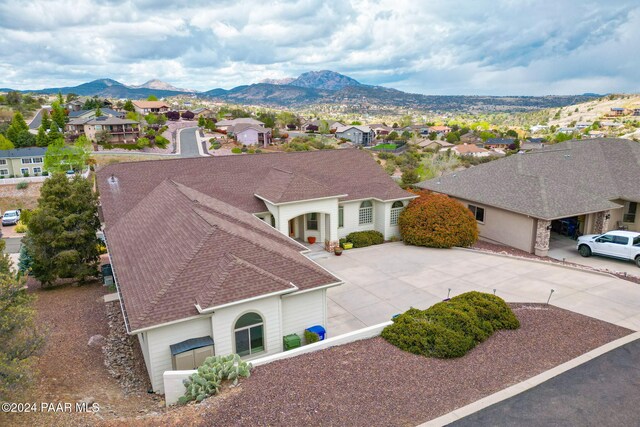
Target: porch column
x=601 y=223
x=331 y=231
x=282 y=225
x=543 y=232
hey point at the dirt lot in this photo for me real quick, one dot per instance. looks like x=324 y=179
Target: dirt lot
x=371 y=382
x=70 y=370
x=12 y=198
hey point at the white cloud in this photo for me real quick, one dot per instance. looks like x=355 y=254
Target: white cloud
x=434 y=47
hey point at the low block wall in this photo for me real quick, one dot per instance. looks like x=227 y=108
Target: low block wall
x=174 y=388
x=13 y=181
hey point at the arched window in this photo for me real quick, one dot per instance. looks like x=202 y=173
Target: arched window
x=396 y=208
x=249 y=334
x=366 y=213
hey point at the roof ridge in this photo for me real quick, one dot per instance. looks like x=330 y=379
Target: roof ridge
x=139 y=201
x=223 y=269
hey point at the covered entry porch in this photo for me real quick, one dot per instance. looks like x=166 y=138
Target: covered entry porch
x=313 y=228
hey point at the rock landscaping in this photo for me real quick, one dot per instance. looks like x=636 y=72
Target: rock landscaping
x=371 y=382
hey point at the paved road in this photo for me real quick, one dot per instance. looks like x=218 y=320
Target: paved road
x=37 y=120
x=189 y=143
x=12 y=245
x=602 y=392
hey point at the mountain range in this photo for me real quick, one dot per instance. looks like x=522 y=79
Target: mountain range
x=319 y=87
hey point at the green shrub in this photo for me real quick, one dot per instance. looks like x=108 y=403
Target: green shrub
x=216 y=145
x=236 y=150
x=22 y=185
x=361 y=239
x=451 y=328
x=45 y=173
x=244 y=149
x=21 y=227
x=311 y=337
x=208 y=380
x=25 y=174
x=212 y=140
x=437 y=221
x=141 y=142
x=161 y=141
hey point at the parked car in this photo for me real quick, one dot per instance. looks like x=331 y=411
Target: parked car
x=616 y=244
x=11 y=217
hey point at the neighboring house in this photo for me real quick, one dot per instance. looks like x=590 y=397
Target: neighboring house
x=443 y=130
x=316 y=124
x=470 y=150
x=500 y=143
x=227 y=124
x=617 y=111
x=596 y=134
x=538 y=128
x=232 y=277
x=22 y=161
x=117 y=130
x=203 y=112
x=249 y=134
x=435 y=145
x=381 y=130
x=334 y=126
x=636 y=111
x=583 y=125
x=610 y=124
x=360 y=135
x=146 y=107
x=75 y=105
x=86 y=114
x=519 y=199
x=532 y=144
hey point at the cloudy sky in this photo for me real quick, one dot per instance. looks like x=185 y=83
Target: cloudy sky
x=497 y=47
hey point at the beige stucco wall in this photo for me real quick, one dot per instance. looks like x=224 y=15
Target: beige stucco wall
x=506 y=227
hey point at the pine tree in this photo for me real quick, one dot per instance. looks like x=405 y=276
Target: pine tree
x=17 y=125
x=99 y=112
x=61 y=238
x=58 y=115
x=46 y=120
x=41 y=139
x=18 y=335
x=128 y=106
x=5 y=144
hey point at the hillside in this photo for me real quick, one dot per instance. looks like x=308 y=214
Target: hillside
x=592 y=110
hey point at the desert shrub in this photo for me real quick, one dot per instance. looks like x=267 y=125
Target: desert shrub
x=22 y=185
x=450 y=328
x=21 y=227
x=161 y=141
x=216 y=146
x=361 y=239
x=414 y=332
x=437 y=221
x=142 y=142
x=102 y=248
x=311 y=337
x=26 y=174
x=490 y=308
x=212 y=140
x=208 y=380
x=244 y=149
x=236 y=150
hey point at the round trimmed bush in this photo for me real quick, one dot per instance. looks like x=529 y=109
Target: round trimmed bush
x=490 y=308
x=236 y=150
x=361 y=239
x=437 y=221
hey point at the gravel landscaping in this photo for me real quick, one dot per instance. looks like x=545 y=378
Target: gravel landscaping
x=371 y=382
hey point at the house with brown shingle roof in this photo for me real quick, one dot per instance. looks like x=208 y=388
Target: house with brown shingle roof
x=146 y=107
x=207 y=253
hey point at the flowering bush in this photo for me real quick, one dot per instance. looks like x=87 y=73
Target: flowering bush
x=437 y=221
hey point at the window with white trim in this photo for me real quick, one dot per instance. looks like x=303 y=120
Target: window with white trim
x=4 y=172
x=630 y=212
x=37 y=160
x=312 y=221
x=26 y=161
x=477 y=212
x=249 y=334
x=37 y=170
x=3 y=161
x=366 y=213
x=396 y=208
x=340 y=216
x=24 y=171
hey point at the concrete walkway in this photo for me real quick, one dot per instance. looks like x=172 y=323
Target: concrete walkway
x=388 y=279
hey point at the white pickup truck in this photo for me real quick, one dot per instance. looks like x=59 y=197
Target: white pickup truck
x=616 y=244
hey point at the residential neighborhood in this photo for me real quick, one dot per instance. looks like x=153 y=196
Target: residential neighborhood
x=292 y=214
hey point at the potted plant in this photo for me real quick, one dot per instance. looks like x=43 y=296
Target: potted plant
x=347 y=245
x=338 y=251
x=311 y=240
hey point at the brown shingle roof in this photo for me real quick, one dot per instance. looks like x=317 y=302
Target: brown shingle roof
x=150 y=104
x=178 y=247
x=280 y=186
x=236 y=179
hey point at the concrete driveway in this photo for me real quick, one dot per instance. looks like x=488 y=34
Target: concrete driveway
x=387 y=279
x=562 y=247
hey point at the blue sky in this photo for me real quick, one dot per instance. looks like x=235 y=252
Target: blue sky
x=445 y=47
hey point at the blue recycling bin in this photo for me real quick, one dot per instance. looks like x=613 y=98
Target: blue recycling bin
x=318 y=330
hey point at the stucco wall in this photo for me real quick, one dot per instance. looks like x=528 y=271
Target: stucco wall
x=351 y=218
x=224 y=321
x=506 y=227
x=159 y=340
x=302 y=311
x=248 y=137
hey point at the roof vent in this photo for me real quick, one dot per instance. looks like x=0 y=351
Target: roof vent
x=113 y=181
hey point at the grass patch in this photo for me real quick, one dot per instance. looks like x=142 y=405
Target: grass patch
x=385 y=147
